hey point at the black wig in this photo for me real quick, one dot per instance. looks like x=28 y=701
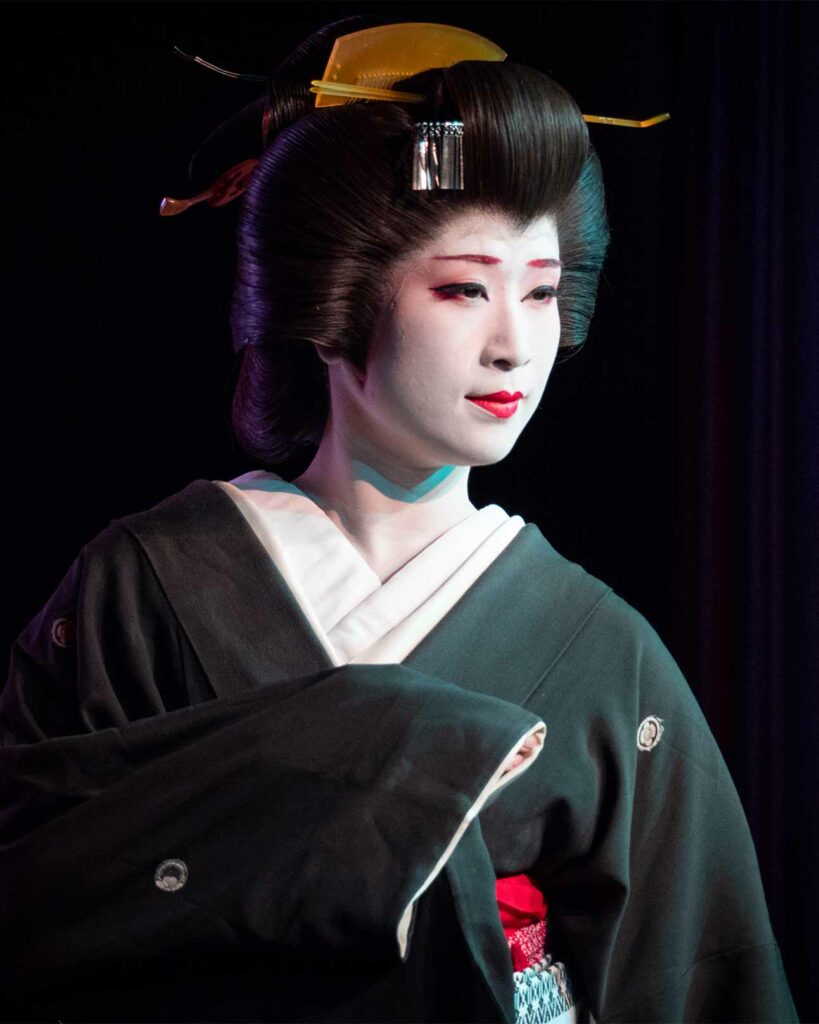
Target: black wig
x=329 y=211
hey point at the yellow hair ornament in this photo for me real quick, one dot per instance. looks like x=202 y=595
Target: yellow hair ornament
x=364 y=64
x=625 y=122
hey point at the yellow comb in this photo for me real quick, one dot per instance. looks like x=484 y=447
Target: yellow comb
x=363 y=65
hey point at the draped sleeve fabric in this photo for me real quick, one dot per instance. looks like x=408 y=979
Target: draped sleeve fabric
x=641 y=846
x=148 y=831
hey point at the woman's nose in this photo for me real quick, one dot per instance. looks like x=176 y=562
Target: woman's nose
x=508 y=345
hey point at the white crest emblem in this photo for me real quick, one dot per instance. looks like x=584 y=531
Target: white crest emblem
x=649 y=732
x=171 y=875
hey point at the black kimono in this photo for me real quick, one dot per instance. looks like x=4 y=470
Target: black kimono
x=202 y=819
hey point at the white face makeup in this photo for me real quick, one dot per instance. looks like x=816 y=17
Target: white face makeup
x=458 y=327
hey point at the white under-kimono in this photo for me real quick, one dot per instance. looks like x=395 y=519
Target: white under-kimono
x=358 y=619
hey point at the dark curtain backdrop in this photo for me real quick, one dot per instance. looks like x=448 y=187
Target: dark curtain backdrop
x=748 y=374
x=674 y=457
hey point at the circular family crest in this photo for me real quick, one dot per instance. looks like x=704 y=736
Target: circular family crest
x=62 y=632
x=171 y=875
x=649 y=733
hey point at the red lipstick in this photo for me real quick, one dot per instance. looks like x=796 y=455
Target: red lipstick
x=501 y=404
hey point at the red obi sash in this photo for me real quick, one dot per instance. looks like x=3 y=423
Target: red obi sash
x=522 y=910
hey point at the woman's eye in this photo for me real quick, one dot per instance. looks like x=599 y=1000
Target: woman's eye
x=469 y=291
x=542 y=295
x=547 y=291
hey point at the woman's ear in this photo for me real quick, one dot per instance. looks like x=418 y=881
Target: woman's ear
x=334 y=357
x=328 y=355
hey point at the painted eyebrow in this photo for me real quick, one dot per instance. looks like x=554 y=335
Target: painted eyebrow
x=473 y=258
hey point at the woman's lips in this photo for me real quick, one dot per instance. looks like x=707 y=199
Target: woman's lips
x=502 y=404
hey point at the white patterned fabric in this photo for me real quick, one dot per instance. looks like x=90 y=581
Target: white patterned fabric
x=528 y=944
x=543 y=993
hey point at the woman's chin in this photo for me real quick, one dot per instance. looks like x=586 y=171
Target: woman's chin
x=485 y=454
x=490 y=460
x=468 y=450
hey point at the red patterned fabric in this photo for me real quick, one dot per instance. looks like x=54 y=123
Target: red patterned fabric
x=523 y=910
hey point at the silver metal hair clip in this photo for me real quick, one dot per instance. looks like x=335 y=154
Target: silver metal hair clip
x=438 y=156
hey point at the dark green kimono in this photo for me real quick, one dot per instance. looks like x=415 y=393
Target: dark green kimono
x=202 y=819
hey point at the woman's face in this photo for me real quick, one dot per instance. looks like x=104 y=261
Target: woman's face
x=471 y=314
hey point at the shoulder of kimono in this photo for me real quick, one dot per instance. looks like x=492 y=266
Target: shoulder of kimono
x=186 y=513
x=113 y=557
x=655 y=684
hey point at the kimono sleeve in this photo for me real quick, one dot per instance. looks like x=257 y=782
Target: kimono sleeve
x=664 y=908
x=301 y=819
x=105 y=650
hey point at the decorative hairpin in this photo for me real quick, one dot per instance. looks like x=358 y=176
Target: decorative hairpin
x=438 y=155
x=364 y=65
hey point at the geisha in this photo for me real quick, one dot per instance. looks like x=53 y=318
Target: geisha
x=346 y=747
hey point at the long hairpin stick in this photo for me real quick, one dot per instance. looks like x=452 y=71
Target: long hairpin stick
x=218 y=70
x=363 y=92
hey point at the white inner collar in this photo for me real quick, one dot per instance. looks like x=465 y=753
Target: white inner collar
x=344 y=600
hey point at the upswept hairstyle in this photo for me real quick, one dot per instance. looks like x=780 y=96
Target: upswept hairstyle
x=330 y=210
